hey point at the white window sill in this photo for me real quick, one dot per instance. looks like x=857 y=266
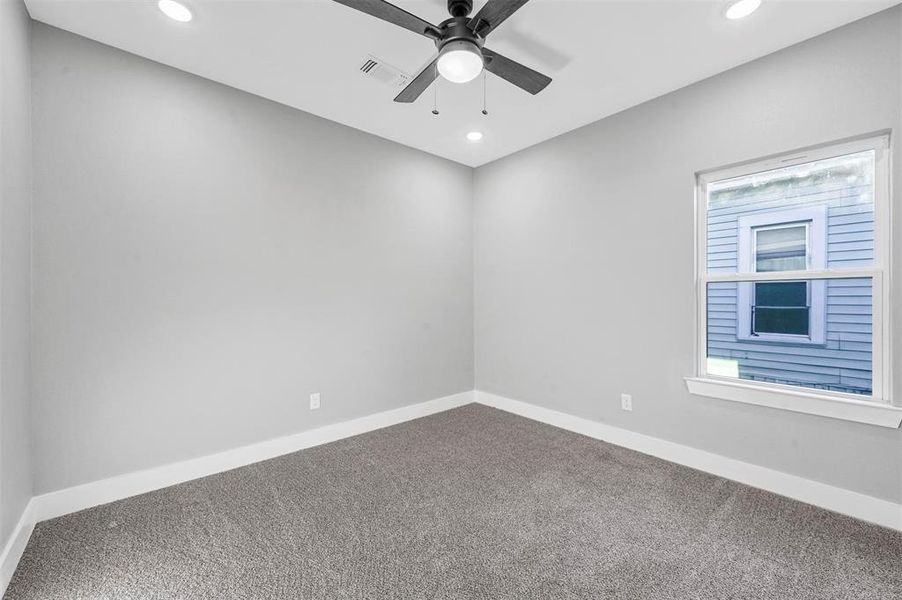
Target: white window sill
x=859 y=411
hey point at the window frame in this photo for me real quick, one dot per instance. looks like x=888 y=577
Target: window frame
x=876 y=409
x=815 y=220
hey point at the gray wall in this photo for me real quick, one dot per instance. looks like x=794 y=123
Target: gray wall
x=15 y=262
x=205 y=259
x=584 y=255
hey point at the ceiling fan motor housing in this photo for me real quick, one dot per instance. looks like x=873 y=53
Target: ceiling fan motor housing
x=456 y=29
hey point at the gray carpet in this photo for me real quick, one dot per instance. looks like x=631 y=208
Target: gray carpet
x=470 y=503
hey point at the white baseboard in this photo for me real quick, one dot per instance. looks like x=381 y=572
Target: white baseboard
x=69 y=500
x=853 y=504
x=15 y=546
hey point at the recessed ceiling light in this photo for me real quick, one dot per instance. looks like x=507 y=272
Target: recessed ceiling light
x=175 y=10
x=741 y=9
x=474 y=136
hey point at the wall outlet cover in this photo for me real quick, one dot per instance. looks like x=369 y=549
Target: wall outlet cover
x=626 y=402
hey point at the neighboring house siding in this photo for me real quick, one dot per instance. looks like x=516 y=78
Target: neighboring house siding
x=843 y=363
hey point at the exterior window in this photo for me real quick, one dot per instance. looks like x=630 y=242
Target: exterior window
x=777 y=241
x=793 y=255
x=781 y=307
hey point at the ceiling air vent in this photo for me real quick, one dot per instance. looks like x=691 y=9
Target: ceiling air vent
x=384 y=72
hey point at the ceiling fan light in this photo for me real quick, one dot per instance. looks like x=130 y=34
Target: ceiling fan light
x=460 y=61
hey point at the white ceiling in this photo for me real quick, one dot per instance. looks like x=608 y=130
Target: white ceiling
x=604 y=56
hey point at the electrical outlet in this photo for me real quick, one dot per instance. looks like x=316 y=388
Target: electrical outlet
x=314 y=401
x=626 y=402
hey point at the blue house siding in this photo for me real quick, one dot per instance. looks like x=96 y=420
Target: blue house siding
x=843 y=362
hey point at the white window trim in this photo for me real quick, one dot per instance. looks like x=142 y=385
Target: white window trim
x=877 y=409
x=816 y=219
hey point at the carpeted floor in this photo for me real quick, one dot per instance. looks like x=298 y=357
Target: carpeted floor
x=470 y=503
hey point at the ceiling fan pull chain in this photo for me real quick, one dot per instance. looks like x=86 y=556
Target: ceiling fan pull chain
x=484 y=110
x=435 y=94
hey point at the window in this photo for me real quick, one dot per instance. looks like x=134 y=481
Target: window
x=792 y=259
x=781 y=307
x=772 y=241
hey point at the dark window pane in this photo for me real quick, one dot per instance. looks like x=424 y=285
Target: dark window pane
x=790 y=321
x=781 y=293
x=781 y=307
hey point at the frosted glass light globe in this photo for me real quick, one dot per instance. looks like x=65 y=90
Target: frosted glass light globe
x=460 y=62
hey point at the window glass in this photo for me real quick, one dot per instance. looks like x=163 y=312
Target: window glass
x=781 y=307
x=842 y=364
x=816 y=332
x=842 y=188
x=781 y=248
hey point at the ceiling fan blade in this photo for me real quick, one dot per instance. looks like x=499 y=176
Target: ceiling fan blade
x=493 y=14
x=391 y=13
x=522 y=77
x=419 y=83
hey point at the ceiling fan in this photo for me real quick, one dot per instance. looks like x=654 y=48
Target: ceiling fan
x=460 y=41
